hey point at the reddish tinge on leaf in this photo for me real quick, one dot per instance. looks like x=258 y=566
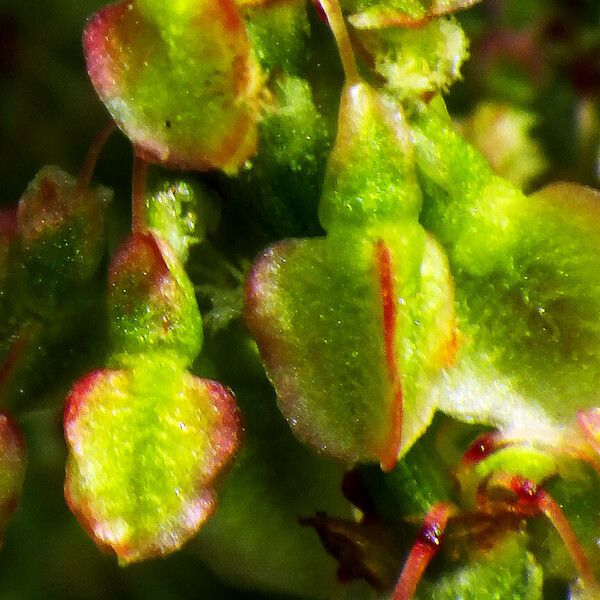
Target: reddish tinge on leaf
x=60 y=227
x=8 y=223
x=589 y=424
x=180 y=81
x=12 y=469
x=151 y=302
x=146 y=445
x=332 y=324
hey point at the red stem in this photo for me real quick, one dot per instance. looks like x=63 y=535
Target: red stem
x=530 y=495
x=89 y=163
x=483 y=447
x=551 y=509
x=426 y=546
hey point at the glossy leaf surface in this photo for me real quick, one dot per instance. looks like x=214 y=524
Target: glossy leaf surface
x=145 y=446
x=334 y=364
x=178 y=79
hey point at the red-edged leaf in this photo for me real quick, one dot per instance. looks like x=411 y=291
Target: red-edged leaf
x=349 y=344
x=179 y=80
x=145 y=447
x=152 y=305
x=61 y=229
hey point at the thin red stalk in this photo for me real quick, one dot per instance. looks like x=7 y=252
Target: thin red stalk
x=551 y=509
x=334 y=15
x=383 y=259
x=138 y=194
x=91 y=159
x=483 y=447
x=530 y=495
x=426 y=546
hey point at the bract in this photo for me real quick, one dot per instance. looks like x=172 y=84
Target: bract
x=145 y=445
x=179 y=80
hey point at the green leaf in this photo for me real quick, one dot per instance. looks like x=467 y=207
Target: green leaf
x=370 y=176
x=527 y=276
x=375 y=14
x=146 y=444
x=530 y=338
x=283 y=181
x=353 y=327
x=278 y=33
x=474 y=213
x=61 y=237
x=151 y=302
x=352 y=374
x=178 y=78
x=419 y=61
x=504 y=571
x=181 y=213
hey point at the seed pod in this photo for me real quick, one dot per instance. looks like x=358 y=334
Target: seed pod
x=151 y=302
x=179 y=80
x=146 y=444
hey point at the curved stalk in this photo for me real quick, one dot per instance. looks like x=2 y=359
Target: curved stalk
x=332 y=10
x=89 y=164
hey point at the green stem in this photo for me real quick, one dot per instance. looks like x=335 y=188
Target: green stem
x=340 y=32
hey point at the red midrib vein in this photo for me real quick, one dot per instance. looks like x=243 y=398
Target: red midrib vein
x=391 y=447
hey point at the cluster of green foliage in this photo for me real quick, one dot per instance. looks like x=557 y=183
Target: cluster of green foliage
x=348 y=353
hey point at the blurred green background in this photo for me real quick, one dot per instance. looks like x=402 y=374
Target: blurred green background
x=540 y=57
